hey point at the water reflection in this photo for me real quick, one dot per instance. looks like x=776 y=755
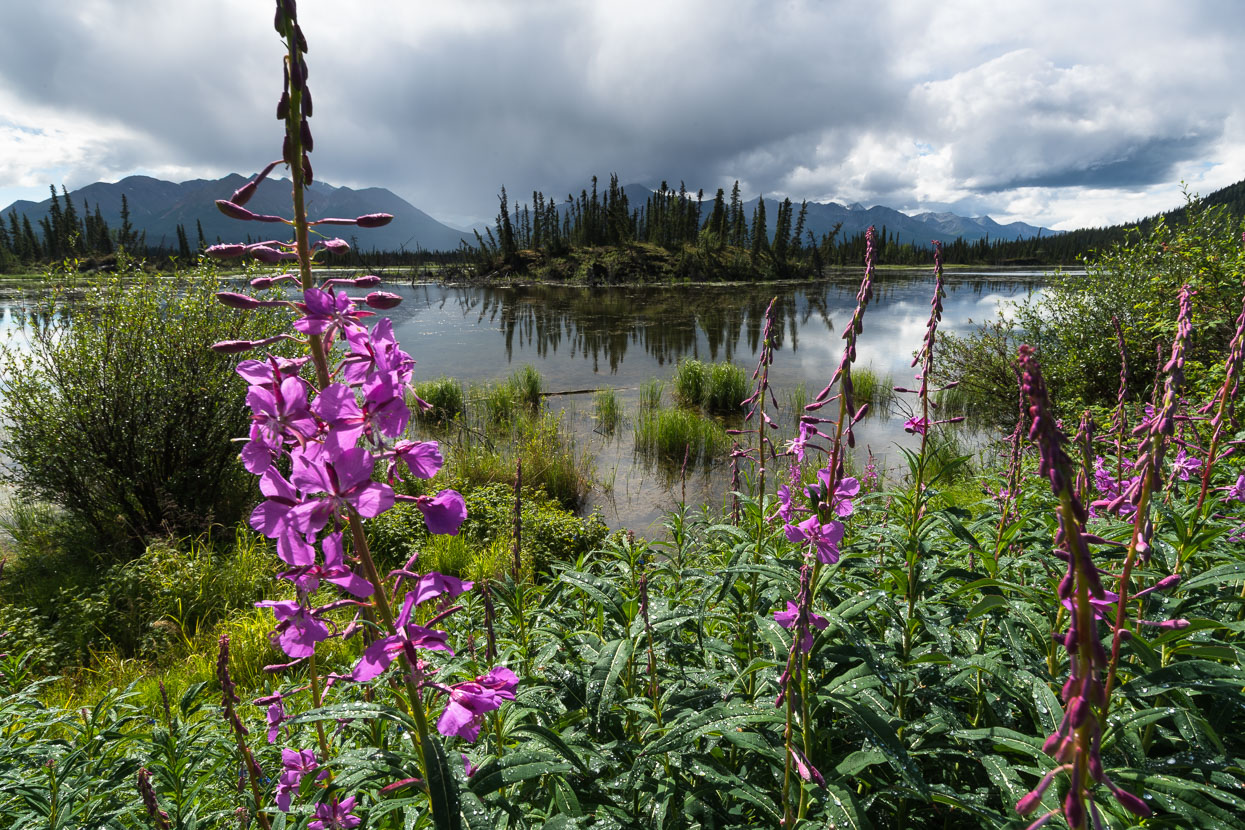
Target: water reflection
x=590 y=338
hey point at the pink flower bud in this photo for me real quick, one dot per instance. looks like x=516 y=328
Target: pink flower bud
x=232 y=299
x=234 y=211
x=1130 y=802
x=382 y=300
x=225 y=251
x=262 y=282
x=1025 y=805
x=334 y=246
x=374 y=220
x=266 y=254
x=233 y=346
x=368 y=281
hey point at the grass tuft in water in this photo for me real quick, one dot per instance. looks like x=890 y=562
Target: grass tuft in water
x=607 y=409
x=670 y=433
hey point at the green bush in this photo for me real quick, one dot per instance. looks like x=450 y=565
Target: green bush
x=120 y=413
x=1137 y=282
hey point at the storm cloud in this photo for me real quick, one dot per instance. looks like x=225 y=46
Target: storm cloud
x=1060 y=114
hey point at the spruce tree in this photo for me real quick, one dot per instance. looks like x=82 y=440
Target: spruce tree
x=125 y=234
x=760 y=234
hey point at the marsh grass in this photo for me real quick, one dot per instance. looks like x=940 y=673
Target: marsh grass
x=551 y=459
x=689 y=381
x=718 y=388
x=651 y=394
x=873 y=387
x=446 y=397
x=669 y=434
x=607 y=410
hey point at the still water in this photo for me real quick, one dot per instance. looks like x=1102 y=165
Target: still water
x=620 y=337
x=592 y=338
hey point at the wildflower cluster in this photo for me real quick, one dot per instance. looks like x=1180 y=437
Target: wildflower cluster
x=341 y=437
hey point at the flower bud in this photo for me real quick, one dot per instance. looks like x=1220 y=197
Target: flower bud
x=266 y=254
x=305 y=103
x=1130 y=802
x=229 y=251
x=368 y=281
x=1074 y=809
x=335 y=246
x=234 y=211
x=283 y=107
x=233 y=346
x=307 y=177
x=232 y=299
x=304 y=131
x=374 y=220
x=382 y=300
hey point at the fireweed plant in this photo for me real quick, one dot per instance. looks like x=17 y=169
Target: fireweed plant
x=334 y=434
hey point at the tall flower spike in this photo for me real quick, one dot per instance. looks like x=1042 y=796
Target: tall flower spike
x=1076 y=743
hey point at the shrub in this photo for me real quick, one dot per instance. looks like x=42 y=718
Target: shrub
x=120 y=413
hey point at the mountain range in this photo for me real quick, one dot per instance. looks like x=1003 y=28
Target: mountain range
x=157 y=207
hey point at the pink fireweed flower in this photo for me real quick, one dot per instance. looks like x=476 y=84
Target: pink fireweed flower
x=336 y=487
x=791 y=616
x=328 y=310
x=281 y=415
x=307 y=573
x=297 y=630
x=335 y=815
x=916 y=425
x=377 y=657
x=825 y=537
x=1237 y=491
x=276 y=717
x=844 y=490
x=470 y=701
x=384 y=412
x=295 y=764
x=271 y=517
x=443 y=513
x=375 y=352
x=1184 y=464
x=422 y=458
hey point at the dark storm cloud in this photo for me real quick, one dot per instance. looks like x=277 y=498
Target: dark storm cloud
x=977 y=106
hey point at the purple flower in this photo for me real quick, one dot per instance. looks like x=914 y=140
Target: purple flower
x=377 y=657
x=916 y=425
x=325 y=310
x=443 y=513
x=433 y=584
x=1237 y=491
x=374 y=352
x=422 y=458
x=271 y=517
x=335 y=815
x=295 y=764
x=844 y=490
x=276 y=716
x=307 y=573
x=345 y=484
x=791 y=616
x=471 y=700
x=1184 y=464
x=297 y=630
x=825 y=536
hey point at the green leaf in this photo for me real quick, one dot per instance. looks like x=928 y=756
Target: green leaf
x=514 y=767
x=1205 y=675
x=720 y=719
x=555 y=742
x=603 y=680
x=442 y=787
x=888 y=742
x=843 y=809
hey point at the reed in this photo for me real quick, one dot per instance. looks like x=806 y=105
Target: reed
x=670 y=434
x=607 y=410
x=445 y=394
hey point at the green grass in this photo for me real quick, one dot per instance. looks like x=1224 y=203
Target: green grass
x=446 y=397
x=607 y=409
x=873 y=387
x=651 y=394
x=715 y=387
x=671 y=433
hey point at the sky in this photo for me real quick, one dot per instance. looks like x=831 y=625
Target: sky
x=1060 y=114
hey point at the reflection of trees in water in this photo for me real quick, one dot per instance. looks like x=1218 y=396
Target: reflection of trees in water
x=707 y=322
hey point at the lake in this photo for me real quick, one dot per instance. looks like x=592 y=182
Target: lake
x=592 y=338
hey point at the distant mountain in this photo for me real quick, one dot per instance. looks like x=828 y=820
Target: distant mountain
x=158 y=207
x=902 y=228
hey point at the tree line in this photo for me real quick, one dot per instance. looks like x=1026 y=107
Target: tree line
x=67 y=233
